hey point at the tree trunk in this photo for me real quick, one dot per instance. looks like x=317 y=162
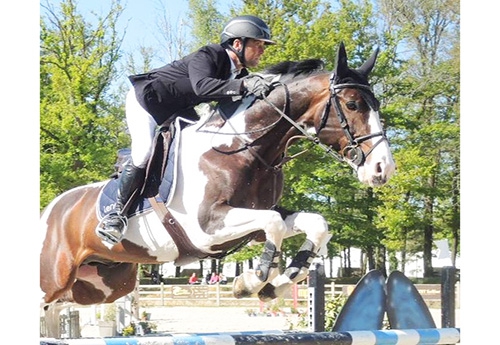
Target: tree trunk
x=428 y=231
x=428 y=236
x=380 y=265
x=200 y=274
x=371 y=258
x=403 y=251
x=429 y=227
x=455 y=220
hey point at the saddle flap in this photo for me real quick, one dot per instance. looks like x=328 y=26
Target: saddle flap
x=158 y=161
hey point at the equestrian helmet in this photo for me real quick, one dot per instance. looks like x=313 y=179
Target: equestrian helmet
x=247 y=27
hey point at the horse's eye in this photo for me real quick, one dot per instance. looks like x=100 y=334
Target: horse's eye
x=351 y=105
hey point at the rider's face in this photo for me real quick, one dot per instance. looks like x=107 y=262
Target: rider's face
x=253 y=51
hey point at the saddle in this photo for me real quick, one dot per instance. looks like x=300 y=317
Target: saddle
x=155 y=169
x=159 y=160
x=160 y=179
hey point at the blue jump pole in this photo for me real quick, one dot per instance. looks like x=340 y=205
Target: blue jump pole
x=429 y=336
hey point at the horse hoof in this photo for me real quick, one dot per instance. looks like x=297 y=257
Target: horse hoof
x=267 y=293
x=239 y=289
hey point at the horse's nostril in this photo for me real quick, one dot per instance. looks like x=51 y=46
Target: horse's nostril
x=378 y=168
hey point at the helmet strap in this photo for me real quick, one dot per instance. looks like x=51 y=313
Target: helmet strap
x=240 y=54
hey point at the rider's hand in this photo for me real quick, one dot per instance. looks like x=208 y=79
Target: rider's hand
x=257 y=85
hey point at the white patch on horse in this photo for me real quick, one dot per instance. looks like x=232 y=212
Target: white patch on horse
x=235 y=126
x=380 y=161
x=147 y=231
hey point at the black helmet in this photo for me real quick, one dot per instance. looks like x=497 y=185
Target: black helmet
x=246 y=27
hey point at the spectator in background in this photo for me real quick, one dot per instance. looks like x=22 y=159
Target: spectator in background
x=222 y=279
x=193 y=279
x=207 y=278
x=214 y=279
x=156 y=277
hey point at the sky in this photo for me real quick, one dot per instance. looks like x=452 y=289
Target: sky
x=140 y=21
x=140 y=17
x=19 y=132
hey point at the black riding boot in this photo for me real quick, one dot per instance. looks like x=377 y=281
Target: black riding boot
x=129 y=186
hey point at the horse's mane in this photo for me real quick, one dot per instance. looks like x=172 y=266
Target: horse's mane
x=296 y=69
x=284 y=71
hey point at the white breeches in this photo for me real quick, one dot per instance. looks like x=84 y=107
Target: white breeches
x=141 y=127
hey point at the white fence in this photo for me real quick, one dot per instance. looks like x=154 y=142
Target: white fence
x=222 y=295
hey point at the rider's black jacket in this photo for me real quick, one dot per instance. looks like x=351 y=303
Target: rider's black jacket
x=201 y=76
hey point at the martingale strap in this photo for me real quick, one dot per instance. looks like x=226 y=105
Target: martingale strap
x=187 y=250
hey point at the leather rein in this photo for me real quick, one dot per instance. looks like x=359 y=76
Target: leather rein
x=352 y=153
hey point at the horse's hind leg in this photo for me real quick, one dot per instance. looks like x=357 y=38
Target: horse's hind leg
x=101 y=283
x=51 y=316
x=316 y=230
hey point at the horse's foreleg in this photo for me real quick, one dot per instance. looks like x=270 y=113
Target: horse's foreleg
x=252 y=281
x=316 y=230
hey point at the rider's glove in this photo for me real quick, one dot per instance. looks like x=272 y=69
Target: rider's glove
x=257 y=85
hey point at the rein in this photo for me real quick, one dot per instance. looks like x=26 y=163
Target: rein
x=353 y=154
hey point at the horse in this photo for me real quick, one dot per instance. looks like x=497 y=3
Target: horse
x=226 y=190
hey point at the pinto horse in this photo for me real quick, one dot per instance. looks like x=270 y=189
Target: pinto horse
x=228 y=184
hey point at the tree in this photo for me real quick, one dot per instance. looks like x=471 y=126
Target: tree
x=81 y=124
x=208 y=22
x=425 y=100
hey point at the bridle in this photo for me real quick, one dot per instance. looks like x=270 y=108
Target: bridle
x=352 y=153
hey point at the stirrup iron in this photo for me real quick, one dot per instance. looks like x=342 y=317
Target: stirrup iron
x=112 y=234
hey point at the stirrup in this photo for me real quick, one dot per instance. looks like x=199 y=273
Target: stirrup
x=112 y=228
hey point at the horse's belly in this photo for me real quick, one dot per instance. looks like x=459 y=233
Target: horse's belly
x=147 y=231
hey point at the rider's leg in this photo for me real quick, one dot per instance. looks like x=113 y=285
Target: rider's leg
x=141 y=127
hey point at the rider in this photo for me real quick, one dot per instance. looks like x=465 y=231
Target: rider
x=215 y=72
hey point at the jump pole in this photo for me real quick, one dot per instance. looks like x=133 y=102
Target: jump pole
x=431 y=336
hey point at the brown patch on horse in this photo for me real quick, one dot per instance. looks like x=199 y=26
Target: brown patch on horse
x=67 y=246
x=119 y=279
x=85 y=293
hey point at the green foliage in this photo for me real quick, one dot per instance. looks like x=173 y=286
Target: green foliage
x=81 y=124
x=423 y=113
x=245 y=253
x=132 y=329
x=208 y=22
x=314 y=29
x=333 y=307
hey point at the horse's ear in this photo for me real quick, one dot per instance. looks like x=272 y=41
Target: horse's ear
x=367 y=67
x=341 y=68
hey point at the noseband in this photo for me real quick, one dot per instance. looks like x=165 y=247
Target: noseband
x=352 y=153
